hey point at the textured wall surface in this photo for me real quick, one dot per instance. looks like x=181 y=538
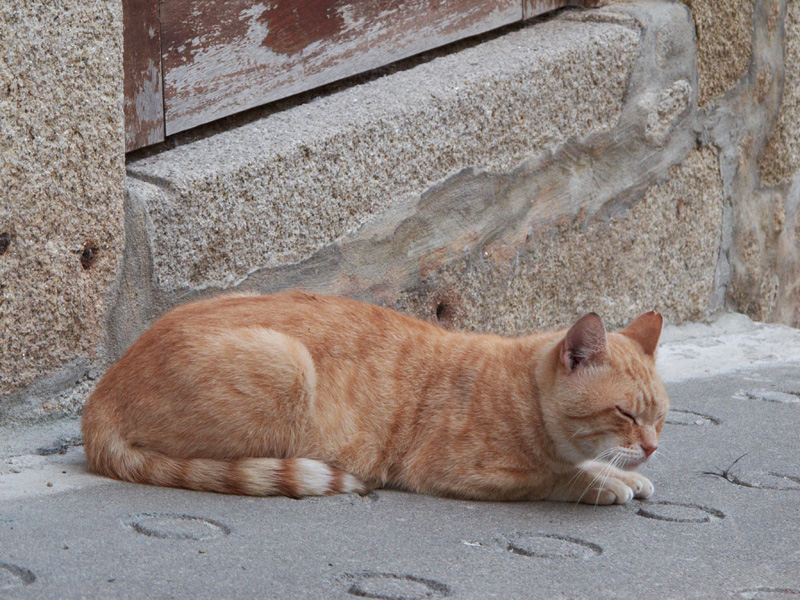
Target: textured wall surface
x=548 y=167
x=755 y=125
x=277 y=190
x=61 y=174
x=724 y=43
x=781 y=158
x=660 y=254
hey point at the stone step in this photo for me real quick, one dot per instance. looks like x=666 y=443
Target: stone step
x=505 y=185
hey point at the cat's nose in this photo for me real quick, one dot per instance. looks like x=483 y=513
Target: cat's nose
x=648 y=449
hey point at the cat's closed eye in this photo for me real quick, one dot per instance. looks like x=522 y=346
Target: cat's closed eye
x=627 y=415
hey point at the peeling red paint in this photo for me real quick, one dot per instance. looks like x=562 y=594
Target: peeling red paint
x=224 y=57
x=293 y=26
x=219 y=58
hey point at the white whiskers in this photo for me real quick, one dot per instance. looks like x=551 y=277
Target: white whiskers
x=597 y=458
x=603 y=474
x=659 y=454
x=581 y=430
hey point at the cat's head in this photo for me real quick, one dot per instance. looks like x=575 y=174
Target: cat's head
x=606 y=400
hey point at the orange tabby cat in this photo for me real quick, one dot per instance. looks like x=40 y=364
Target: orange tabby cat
x=296 y=394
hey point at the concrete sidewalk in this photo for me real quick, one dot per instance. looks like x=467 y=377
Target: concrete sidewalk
x=724 y=521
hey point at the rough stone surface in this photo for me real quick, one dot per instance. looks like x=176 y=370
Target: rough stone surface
x=766 y=286
x=781 y=157
x=659 y=254
x=487 y=247
x=755 y=282
x=277 y=190
x=759 y=246
x=787 y=259
x=665 y=107
x=724 y=43
x=61 y=172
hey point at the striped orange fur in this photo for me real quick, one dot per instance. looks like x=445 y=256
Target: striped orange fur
x=296 y=394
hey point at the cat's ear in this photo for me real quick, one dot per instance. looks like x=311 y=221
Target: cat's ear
x=584 y=343
x=645 y=329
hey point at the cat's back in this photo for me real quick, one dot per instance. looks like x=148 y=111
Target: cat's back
x=295 y=313
x=214 y=356
x=330 y=327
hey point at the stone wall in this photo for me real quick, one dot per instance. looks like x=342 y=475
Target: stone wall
x=61 y=178
x=724 y=44
x=642 y=155
x=534 y=159
x=754 y=120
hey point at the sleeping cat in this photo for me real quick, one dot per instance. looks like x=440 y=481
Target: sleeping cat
x=296 y=394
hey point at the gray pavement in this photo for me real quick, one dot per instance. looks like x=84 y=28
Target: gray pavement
x=715 y=528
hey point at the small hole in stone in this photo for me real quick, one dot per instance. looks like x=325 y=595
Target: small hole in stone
x=88 y=256
x=679 y=208
x=5 y=242
x=441 y=311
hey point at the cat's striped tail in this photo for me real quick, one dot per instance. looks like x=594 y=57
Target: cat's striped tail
x=293 y=477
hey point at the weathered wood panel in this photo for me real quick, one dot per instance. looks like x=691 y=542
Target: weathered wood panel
x=141 y=55
x=223 y=57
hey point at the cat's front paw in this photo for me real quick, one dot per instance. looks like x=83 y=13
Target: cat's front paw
x=601 y=483
x=627 y=485
x=642 y=487
x=618 y=487
x=613 y=491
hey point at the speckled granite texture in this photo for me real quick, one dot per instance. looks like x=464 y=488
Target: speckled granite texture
x=277 y=190
x=62 y=170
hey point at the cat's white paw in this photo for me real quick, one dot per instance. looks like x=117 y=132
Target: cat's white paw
x=647 y=489
x=623 y=494
x=612 y=492
x=621 y=488
x=642 y=487
x=601 y=483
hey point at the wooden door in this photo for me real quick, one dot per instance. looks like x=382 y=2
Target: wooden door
x=188 y=62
